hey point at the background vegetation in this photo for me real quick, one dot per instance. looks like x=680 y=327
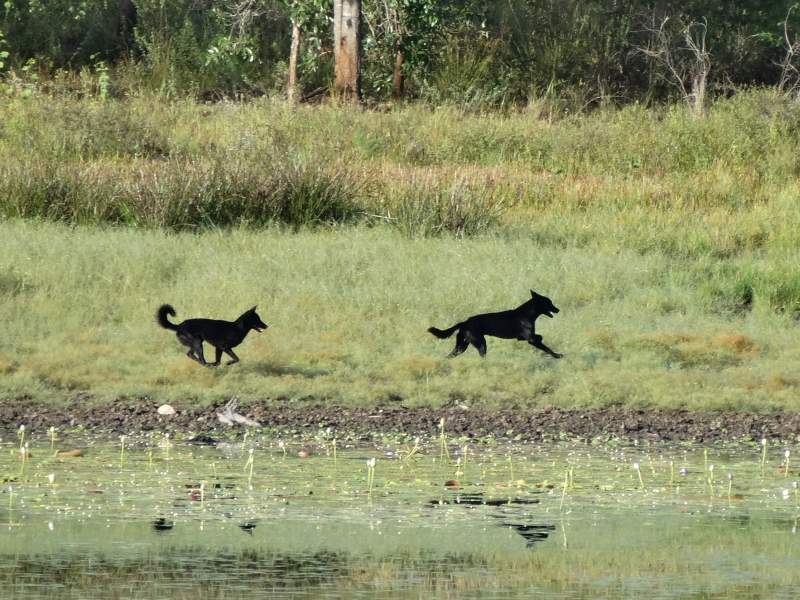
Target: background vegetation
x=473 y=54
x=669 y=242
x=637 y=162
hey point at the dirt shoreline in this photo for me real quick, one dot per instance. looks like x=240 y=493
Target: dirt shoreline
x=137 y=415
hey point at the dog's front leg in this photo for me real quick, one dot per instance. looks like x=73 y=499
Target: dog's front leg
x=218 y=357
x=234 y=358
x=536 y=341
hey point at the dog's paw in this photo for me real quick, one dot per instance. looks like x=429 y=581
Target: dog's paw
x=557 y=355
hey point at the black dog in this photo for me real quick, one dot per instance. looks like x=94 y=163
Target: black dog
x=516 y=324
x=223 y=335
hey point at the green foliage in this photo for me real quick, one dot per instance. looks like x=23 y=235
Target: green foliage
x=426 y=208
x=4 y=54
x=572 y=54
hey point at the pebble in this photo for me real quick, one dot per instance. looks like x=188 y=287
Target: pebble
x=166 y=409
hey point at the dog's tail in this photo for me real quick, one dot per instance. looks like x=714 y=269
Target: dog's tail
x=162 y=319
x=446 y=333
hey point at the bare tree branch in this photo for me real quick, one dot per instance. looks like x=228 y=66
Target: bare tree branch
x=688 y=62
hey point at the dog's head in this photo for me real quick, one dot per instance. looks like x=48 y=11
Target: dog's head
x=542 y=305
x=251 y=320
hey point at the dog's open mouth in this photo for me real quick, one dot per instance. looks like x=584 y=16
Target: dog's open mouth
x=548 y=313
x=260 y=329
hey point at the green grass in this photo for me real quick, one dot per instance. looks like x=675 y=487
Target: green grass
x=348 y=309
x=670 y=243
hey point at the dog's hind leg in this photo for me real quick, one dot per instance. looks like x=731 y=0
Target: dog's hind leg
x=235 y=359
x=197 y=348
x=480 y=343
x=462 y=343
x=191 y=343
x=536 y=341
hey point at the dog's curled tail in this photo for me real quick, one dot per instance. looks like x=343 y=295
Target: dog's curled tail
x=162 y=319
x=446 y=333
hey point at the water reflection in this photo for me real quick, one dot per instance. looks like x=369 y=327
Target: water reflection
x=564 y=520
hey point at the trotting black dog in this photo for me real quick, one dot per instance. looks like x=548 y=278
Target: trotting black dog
x=223 y=335
x=515 y=324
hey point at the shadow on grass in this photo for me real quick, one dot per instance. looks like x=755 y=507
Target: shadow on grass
x=278 y=370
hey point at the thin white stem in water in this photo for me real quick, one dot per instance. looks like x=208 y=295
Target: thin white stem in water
x=639 y=473
x=249 y=465
x=122 y=450
x=564 y=490
x=370 y=474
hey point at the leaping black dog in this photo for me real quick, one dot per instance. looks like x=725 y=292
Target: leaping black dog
x=223 y=335
x=515 y=324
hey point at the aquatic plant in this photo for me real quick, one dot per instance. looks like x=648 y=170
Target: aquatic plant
x=730 y=485
x=710 y=479
x=564 y=490
x=638 y=470
x=122 y=450
x=23 y=454
x=249 y=468
x=412 y=452
x=370 y=474
x=443 y=451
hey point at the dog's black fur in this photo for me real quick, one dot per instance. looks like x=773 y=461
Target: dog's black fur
x=223 y=335
x=515 y=324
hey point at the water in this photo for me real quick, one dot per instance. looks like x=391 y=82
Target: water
x=167 y=519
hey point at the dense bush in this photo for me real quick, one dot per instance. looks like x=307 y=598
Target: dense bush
x=473 y=54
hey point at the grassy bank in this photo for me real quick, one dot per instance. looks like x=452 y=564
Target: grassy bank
x=349 y=309
x=633 y=174
x=670 y=243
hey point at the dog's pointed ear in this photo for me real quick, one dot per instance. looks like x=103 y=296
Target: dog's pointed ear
x=533 y=294
x=252 y=310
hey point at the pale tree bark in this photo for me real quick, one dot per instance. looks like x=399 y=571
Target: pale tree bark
x=693 y=66
x=347 y=48
x=397 y=79
x=294 y=53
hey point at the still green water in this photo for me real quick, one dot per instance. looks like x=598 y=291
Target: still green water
x=161 y=518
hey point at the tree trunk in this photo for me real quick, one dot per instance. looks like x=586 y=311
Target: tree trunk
x=347 y=48
x=294 y=53
x=397 y=78
x=126 y=22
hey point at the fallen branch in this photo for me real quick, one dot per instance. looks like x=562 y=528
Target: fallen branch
x=230 y=417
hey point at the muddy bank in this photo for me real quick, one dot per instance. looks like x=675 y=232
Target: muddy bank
x=131 y=415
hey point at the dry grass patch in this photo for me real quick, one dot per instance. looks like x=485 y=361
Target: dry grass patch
x=688 y=350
